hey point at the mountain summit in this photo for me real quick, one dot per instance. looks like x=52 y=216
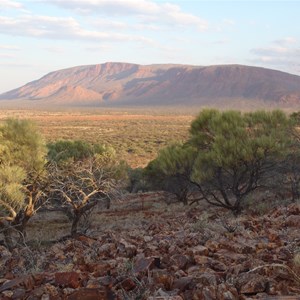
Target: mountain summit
x=166 y=84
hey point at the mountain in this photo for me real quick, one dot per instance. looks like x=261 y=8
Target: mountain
x=132 y=84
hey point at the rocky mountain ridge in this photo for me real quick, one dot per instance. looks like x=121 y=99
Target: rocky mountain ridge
x=166 y=84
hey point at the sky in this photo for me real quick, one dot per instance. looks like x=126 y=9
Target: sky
x=41 y=36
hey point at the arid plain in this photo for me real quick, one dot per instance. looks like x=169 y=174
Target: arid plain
x=137 y=134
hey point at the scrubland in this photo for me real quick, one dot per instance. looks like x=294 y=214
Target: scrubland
x=136 y=134
x=147 y=244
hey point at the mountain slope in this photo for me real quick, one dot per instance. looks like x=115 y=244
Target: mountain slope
x=123 y=83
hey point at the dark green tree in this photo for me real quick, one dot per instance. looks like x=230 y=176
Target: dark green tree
x=66 y=151
x=171 y=171
x=236 y=153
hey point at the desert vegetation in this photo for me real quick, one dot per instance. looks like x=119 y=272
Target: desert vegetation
x=214 y=211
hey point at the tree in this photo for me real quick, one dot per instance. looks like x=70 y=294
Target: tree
x=66 y=151
x=136 y=180
x=236 y=152
x=171 y=171
x=83 y=184
x=288 y=171
x=22 y=162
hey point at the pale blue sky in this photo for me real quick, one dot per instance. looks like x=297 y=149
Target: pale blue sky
x=37 y=37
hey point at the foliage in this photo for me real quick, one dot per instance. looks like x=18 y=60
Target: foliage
x=171 y=170
x=295 y=116
x=11 y=191
x=22 y=157
x=22 y=165
x=64 y=151
x=136 y=180
x=236 y=152
x=228 y=156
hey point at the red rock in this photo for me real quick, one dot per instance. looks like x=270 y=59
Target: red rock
x=68 y=279
x=86 y=240
x=6 y=295
x=229 y=256
x=250 y=283
x=126 y=249
x=293 y=221
x=180 y=260
x=200 y=250
x=91 y=294
x=201 y=260
x=165 y=298
x=294 y=209
x=217 y=265
x=18 y=294
x=26 y=281
x=128 y=284
x=212 y=246
x=99 y=269
x=208 y=279
x=227 y=292
x=143 y=264
x=108 y=250
x=51 y=290
x=93 y=283
x=206 y=293
x=162 y=278
x=183 y=283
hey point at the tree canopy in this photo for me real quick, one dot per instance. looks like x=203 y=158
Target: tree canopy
x=228 y=154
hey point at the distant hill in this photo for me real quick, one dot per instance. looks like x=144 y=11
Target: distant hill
x=131 y=84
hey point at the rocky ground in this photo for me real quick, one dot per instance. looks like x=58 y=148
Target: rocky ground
x=147 y=250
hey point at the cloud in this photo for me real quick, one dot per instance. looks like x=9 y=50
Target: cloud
x=102 y=48
x=115 y=7
x=7 y=55
x=286 y=41
x=9 y=47
x=60 y=28
x=54 y=49
x=281 y=54
x=229 y=22
x=221 y=42
x=273 y=51
x=8 y=4
x=110 y=24
x=146 y=10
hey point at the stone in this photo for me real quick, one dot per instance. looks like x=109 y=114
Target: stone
x=100 y=269
x=68 y=279
x=128 y=284
x=293 y=221
x=201 y=260
x=183 y=284
x=250 y=283
x=162 y=278
x=207 y=279
x=181 y=261
x=200 y=250
x=91 y=294
x=143 y=264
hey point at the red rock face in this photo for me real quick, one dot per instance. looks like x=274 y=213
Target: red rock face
x=122 y=83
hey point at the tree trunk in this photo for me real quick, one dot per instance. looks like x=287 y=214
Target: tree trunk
x=8 y=234
x=21 y=221
x=236 y=208
x=76 y=218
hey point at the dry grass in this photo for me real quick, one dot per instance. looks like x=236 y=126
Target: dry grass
x=137 y=135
